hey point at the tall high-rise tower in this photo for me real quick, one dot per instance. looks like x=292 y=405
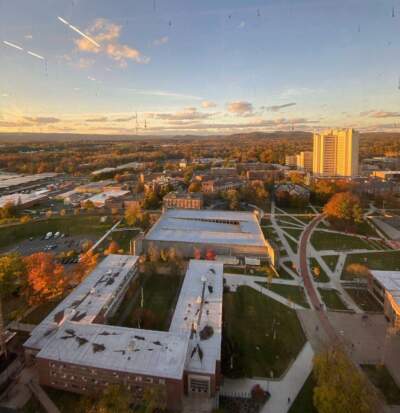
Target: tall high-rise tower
x=335 y=153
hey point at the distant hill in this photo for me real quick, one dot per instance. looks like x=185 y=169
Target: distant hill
x=75 y=137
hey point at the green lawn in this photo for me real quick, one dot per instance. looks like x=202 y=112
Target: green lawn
x=293 y=244
x=294 y=232
x=33 y=406
x=331 y=261
x=159 y=297
x=332 y=299
x=304 y=400
x=386 y=260
x=301 y=210
x=322 y=240
x=259 y=333
x=382 y=379
x=291 y=292
x=323 y=276
x=73 y=225
x=284 y=274
x=364 y=299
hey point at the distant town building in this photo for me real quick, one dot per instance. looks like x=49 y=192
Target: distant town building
x=387 y=175
x=291 y=160
x=223 y=172
x=264 y=175
x=292 y=191
x=183 y=200
x=304 y=161
x=335 y=152
x=20 y=200
x=385 y=286
x=10 y=183
x=220 y=185
x=100 y=200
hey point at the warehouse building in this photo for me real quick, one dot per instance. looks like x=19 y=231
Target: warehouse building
x=228 y=233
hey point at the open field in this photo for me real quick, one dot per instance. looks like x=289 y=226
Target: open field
x=323 y=276
x=331 y=261
x=332 y=299
x=261 y=334
x=386 y=260
x=294 y=232
x=322 y=240
x=291 y=292
x=73 y=225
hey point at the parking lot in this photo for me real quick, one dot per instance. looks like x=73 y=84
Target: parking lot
x=61 y=243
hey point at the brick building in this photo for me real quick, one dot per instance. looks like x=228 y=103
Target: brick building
x=183 y=200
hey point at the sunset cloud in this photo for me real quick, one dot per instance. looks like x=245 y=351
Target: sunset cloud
x=97 y=119
x=42 y=120
x=240 y=107
x=107 y=35
x=380 y=114
x=189 y=113
x=206 y=104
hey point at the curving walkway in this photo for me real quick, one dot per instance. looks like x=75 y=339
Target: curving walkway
x=307 y=278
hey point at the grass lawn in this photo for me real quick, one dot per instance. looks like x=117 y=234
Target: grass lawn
x=73 y=225
x=322 y=240
x=293 y=244
x=294 y=232
x=261 y=334
x=382 y=379
x=363 y=228
x=323 y=276
x=33 y=406
x=301 y=210
x=386 y=260
x=291 y=292
x=304 y=400
x=284 y=274
x=332 y=299
x=287 y=221
x=159 y=297
x=331 y=261
x=364 y=299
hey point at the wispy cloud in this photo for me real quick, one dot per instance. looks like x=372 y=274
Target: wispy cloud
x=42 y=120
x=189 y=113
x=277 y=108
x=107 y=35
x=165 y=93
x=97 y=119
x=161 y=41
x=380 y=114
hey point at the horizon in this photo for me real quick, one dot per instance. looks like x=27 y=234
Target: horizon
x=187 y=68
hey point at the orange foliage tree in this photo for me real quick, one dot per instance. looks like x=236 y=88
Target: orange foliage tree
x=344 y=208
x=87 y=262
x=46 y=278
x=113 y=248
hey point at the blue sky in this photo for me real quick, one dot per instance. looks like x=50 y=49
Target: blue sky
x=198 y=66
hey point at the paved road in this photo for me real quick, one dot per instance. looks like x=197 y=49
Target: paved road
x=308 y=284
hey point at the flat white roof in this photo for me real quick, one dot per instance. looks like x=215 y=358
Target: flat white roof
x=208 y=226
x=24 y=179
x=22 y=199
x=129 y=350
x=103 y=196
x=87 y=300
x=197 y=310
x=390 y=281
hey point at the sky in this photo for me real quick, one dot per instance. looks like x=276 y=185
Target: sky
x=167 y=67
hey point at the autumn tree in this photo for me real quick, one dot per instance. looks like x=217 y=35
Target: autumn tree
x=154 y=398
x=45 y=277
x=195 y=186
x=115 y=398
x=340 y=386
x=112 y=248
x=12 y=275
x=343 y=209
x=87 y=262
x=134 y=216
